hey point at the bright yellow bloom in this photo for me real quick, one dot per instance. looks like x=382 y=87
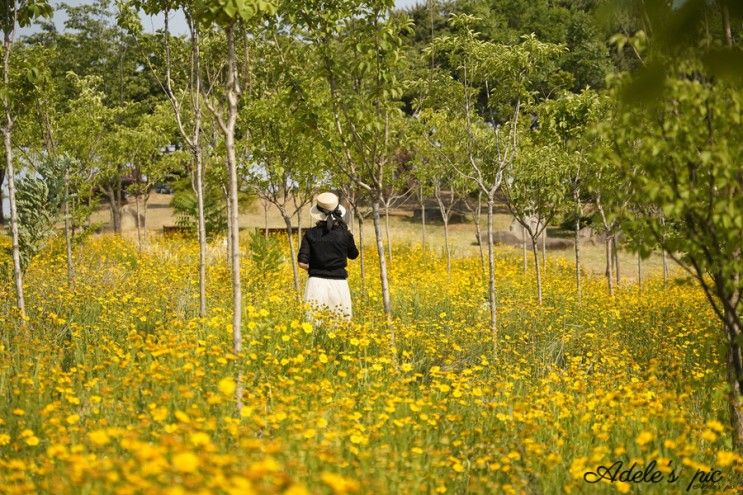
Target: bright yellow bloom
x=227 y=386
x=186 y=462
x=99 y=437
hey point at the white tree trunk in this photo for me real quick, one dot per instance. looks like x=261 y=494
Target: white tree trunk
x=383 y=275
x=139 y=230
x=387 y=231
x=361 y=254
x=10 y=171
x=664 y=255
x=615 y=253
x=232 y=98
x=67 y=229
x=523 y=247
x=535 y=251
x=201 y=228
x=609 y=274
x=491 y=282
x=544 y=250
x=639 y=271
x=579 y=210
x=292 y=252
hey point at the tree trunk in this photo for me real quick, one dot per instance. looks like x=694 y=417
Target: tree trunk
x=576 y=195
x=544 y=250
x=7 y=130
x=535 y=251
x=491 y=281
x=423 y=219
x=265 y=218
x=609 y=274
x=229 y=231
x=445 y=218
x=299 y=225
x=139 y=231
x=292 y=252
x=115 y=206
x=233 y=91
x=734 y=376
x=523 y=247
x=664 y=255
x=361 y=254
x=67 y=229
x=639 y=271
x=199 y=179
x=387 y=231
x=615 y=253
x=478 y=233
x=383 y=275
x=446 y=244
x=726 y=24
x=2 y=208
x=7 y=138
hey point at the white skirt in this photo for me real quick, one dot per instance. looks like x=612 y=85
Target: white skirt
x=332 y=294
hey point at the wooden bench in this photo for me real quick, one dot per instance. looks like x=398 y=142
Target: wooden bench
x=174 y=230
x=275 y=230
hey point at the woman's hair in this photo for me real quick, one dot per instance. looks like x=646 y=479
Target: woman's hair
x=333 y=221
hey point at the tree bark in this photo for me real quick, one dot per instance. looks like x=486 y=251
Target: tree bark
x=423 y=219
x=387 y=231
x=361 y=253
x=578 y=211
x=523 y=247
x=199 y=179
x=609 y=274
x=538 y=274
x=115 y=207
x=265 y=218
x=478 y=233
x=544 y=250
x=67 y=228
x=292 y=252
x=2 y=208
x=734 y=376
x=233 y=92
x=639 y=272
x=491 y=281
x=725 y=14
x=139 y=231
x=664 y=255
x=615 y=253
x=299 y=225
x=383 y=275
x=7 y=138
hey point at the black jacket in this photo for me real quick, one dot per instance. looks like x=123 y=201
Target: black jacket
x=326 y=252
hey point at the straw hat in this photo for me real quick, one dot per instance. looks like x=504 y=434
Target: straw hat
x=325 y=201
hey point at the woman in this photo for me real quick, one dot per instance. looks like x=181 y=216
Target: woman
x=324 y=252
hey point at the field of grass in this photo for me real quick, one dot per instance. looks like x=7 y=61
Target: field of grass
x=115 y=385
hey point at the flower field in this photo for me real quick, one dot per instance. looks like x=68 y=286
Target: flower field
x=117 y=386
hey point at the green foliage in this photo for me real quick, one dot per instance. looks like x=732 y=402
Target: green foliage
x=265 y=253
x=536 y=185
x=682 y=161
x=39 y=198
x=185 y=206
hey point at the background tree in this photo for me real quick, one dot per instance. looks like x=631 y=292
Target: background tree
x=15 y=13
x=182 y=83
x=568 y=122
x=687 y=154
x=494 y=146
x=534 y=190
